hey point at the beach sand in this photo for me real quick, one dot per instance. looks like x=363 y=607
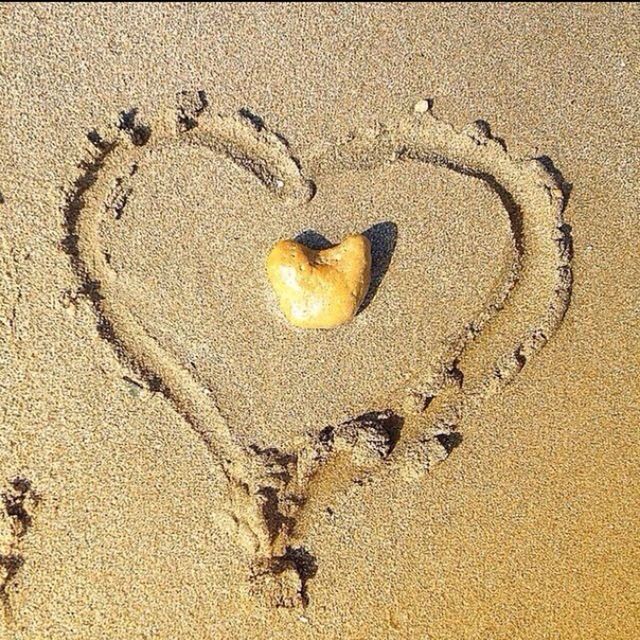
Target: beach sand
x=117 y=520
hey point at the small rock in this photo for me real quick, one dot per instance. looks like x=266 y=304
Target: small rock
x=422 y=106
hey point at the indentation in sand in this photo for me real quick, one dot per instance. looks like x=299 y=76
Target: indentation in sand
x=428 y=391
x=18 y=502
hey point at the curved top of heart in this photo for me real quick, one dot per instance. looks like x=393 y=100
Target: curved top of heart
x=268 y=487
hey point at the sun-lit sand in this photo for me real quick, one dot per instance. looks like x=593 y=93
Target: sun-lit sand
x=457 y=461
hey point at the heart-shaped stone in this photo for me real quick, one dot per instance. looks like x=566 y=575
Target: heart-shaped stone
x=269 y=486
x=323 y=288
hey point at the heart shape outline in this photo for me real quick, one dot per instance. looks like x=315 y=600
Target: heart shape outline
x=268 y=488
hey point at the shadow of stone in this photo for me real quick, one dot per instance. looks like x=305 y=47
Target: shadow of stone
x=383 y=238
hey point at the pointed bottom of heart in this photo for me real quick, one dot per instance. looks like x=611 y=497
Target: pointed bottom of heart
x=271 y=489
x=282 y=581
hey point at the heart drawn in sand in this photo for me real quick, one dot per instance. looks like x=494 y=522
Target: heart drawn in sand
x=269 y=487
x=320 y=289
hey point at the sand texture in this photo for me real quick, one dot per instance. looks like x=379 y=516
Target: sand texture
x=459 y=461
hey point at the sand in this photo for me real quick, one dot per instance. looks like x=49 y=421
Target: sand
x=149 y=397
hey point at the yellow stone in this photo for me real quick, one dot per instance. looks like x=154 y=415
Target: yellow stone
x=320 y=289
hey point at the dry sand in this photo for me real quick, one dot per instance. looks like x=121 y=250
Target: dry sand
x=120 y=524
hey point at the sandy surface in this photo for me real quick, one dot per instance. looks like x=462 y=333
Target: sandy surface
x=528 y=530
